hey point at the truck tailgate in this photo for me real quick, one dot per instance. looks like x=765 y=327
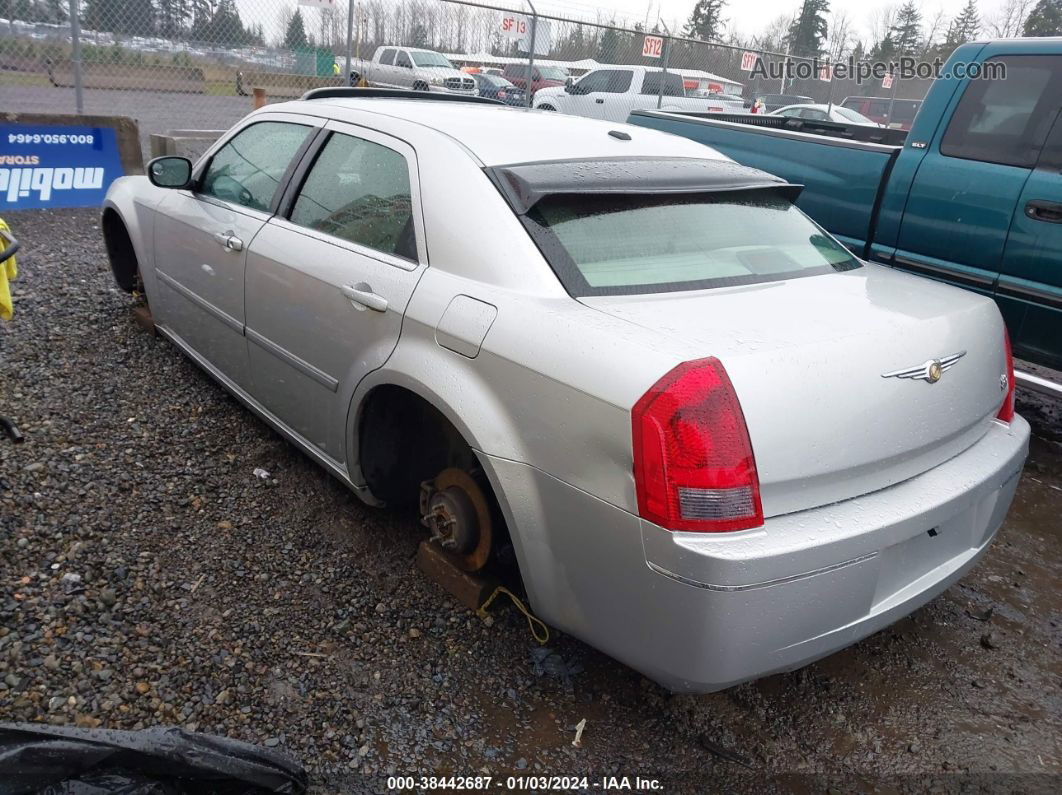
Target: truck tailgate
x=844 y=180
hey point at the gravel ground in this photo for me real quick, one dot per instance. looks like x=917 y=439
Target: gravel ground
x=149 y=577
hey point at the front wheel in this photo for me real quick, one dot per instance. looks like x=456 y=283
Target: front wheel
x=546 y=107
x=420 y=86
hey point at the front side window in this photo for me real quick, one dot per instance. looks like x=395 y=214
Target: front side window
x=551 y=73
x=403 y=60
x=359 y=191
x=1006 y=120
x=622 y=245
x=605 y=81
x=248 y=169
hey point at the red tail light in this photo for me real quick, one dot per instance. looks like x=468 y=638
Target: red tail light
x=1006 y=412
x=693 y=463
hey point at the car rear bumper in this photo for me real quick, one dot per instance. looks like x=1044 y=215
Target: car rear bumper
x=701 y=612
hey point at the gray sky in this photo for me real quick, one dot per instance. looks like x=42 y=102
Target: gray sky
x=749 y=18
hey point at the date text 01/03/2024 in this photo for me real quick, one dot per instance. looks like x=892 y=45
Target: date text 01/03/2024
x=526 y=783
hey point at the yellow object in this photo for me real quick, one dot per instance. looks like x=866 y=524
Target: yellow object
x=541 y=635
x=8 y=271
x=335 y=68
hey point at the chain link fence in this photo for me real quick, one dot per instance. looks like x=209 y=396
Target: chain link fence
x=180 y=64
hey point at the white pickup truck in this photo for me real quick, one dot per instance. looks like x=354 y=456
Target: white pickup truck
x=612 y=92
x=411 y=68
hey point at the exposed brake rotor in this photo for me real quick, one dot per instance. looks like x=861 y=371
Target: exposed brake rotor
x=454 y=507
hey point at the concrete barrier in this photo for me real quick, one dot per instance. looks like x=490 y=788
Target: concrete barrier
x=281 y=84
x=180 y=79
x=125 y=131
x=185 y=143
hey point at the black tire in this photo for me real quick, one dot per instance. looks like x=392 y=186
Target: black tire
x=420 y=86
x=546 y=107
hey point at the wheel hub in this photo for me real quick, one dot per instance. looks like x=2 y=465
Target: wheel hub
x=454 y=508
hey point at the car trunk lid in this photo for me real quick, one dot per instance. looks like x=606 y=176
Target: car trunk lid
x=809 y=357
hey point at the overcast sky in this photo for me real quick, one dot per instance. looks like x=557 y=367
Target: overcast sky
x=752 y=16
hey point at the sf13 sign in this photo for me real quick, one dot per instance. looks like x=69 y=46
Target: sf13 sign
x=55 y=166
x=514 y=26
x=748 y=61
x=652 y=47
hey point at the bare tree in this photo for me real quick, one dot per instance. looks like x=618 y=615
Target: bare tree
x=1009 y=19
x=935 y=28
x=839 y=43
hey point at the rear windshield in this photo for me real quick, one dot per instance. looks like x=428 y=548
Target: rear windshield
x=624 y=245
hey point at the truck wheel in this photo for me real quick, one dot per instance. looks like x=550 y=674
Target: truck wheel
x=420 y=86
x=546 y=107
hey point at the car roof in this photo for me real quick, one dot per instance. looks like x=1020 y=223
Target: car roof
x=500 y=134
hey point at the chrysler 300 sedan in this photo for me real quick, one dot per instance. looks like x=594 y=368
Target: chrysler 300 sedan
x=714 y=443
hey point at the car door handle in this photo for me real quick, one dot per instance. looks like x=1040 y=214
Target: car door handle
x=362 y=294
x=229 y=241
x=1040 y=210
x=599 y=101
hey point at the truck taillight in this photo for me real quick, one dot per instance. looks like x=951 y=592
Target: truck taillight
x=1006 y=411
x=693 y=464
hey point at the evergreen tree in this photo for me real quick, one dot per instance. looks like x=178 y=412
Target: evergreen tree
x=966 y=26
x=706 y=21
x=1045 y=19
x=608 y=46
x=418 y=36
x=172 y=15
x=884 y=50
x=807 y=34
x=295 y=36
x=906 y=31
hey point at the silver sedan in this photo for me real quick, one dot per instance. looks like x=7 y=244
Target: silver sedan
x=714 y=443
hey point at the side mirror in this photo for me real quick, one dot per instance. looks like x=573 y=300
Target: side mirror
x=170 y=172
x=568 y=81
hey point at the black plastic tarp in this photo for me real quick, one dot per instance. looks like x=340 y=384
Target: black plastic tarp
x=55 y=760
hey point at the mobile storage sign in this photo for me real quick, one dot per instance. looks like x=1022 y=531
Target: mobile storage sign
x=56 y=166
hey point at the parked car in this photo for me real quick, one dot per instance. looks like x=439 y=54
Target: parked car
x=825 y=113
x=877 y=109
x=723 y=103
x=772 y=102
x=413 y=68
x=974 y=198
x=543 y=76
x=496 y=87
x=613 y=92
x=717 y=444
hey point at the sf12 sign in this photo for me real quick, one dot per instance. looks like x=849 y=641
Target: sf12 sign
x=886 y=82
x=749 y=61
x=56 y=166
x=652 y=47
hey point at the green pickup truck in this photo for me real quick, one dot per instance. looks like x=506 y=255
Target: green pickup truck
x=972 y=196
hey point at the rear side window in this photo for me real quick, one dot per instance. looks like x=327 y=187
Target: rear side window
x=1007 y=120
x=247 y=170
x=621 y=245
x=359 y=191
x=672 y=83
x=388 y=58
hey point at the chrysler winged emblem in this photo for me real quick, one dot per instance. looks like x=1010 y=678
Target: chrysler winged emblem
x=930 y=371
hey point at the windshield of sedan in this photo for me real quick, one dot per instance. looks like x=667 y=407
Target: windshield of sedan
x=622 y=245
x=430 y=59
x=851 y=115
